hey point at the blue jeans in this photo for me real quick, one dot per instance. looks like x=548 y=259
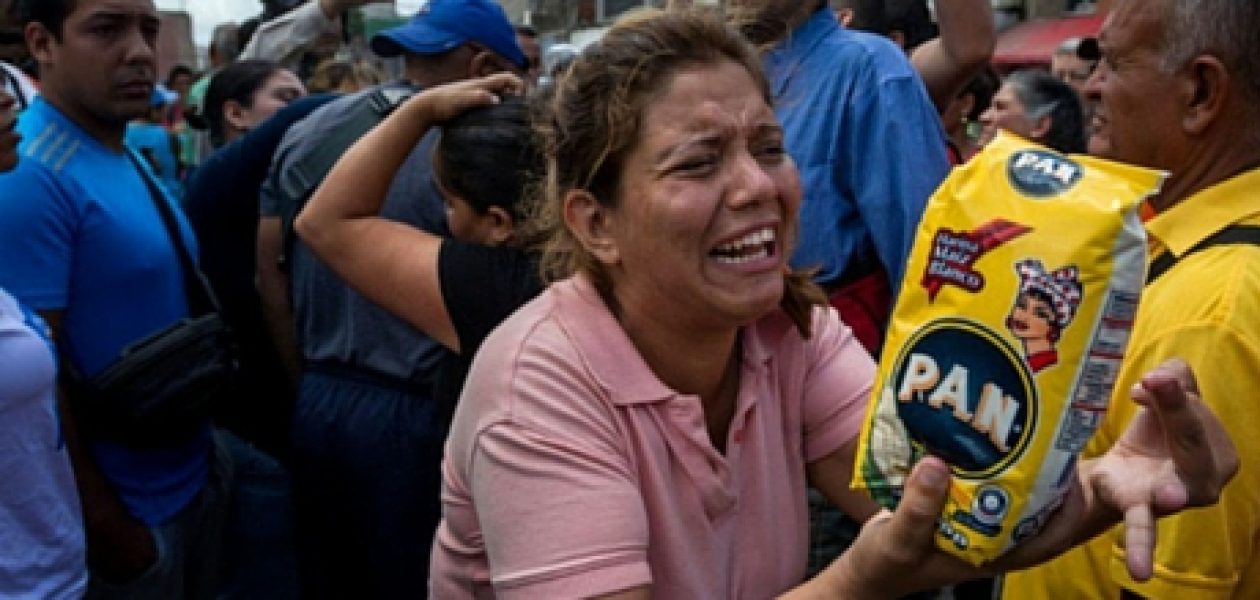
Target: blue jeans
x=260 y=554
x=188 y=545
x=367 y=455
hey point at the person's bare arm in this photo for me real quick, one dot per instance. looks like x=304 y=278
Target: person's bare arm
x=273 y=290
x=390 y=263
x=964 y=46
x=831 y=476
x=284 y=38
x=119 y=548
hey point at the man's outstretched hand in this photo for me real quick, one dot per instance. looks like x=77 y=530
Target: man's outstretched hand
x=1175 y=454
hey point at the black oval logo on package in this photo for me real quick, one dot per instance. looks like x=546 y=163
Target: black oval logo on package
x=1041 y=173
x=965 y=395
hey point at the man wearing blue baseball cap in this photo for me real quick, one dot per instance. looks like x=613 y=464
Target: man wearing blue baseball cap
x=367 y=433
x=445 y=25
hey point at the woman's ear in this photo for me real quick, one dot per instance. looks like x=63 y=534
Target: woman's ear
x=234 y=115
x=592 y=225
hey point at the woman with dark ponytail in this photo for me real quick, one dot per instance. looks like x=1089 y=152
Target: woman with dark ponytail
x=243 y=95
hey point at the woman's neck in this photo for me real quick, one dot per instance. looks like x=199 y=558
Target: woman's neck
x=686 y=356
x=1037 y=346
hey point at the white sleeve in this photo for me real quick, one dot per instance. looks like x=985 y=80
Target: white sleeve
x=284 y=38
x=18 y=85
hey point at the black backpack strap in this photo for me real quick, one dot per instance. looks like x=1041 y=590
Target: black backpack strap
x=1234 y=234
x=302 y=177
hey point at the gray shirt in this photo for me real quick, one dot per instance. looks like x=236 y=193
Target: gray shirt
x=334 y=323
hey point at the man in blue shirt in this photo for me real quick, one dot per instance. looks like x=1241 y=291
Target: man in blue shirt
x=84 y=244
x=866 y=138
x=870 y=148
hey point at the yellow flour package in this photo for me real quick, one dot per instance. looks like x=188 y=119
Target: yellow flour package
x=1007 y=336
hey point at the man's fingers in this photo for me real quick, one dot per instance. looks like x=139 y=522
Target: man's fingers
x=1175 y=402
x=1139 y=541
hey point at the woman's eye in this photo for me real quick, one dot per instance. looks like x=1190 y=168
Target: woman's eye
x=772 y=151
x=697 y=164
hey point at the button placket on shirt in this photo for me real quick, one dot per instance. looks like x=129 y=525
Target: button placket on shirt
x=703 y=464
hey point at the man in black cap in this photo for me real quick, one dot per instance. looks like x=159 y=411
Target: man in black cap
x=367 y=435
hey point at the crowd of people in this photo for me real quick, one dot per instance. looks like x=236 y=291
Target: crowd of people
x=594 y=322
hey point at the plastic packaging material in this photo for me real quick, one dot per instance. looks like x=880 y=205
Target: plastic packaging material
x=1018 y=301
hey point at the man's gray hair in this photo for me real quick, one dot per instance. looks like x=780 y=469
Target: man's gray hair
x=1227 y=29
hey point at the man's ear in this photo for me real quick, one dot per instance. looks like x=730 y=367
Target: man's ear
x=845 y=16
x=483 y=63
x=1205 y=93
x=592 y=225
x=40 y=42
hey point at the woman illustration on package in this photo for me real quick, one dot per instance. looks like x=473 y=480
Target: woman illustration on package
x=1046 y=303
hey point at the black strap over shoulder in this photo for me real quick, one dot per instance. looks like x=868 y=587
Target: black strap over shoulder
x=200 y=297
x=1234 y=234
x=302 y=176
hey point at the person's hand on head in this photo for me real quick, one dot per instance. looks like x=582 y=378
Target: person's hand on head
x=444 y=102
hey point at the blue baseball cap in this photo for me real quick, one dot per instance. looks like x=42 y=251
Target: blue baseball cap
x=161 y=96
x=443 y=25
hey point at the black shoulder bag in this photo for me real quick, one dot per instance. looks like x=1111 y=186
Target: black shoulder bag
x=162 y=388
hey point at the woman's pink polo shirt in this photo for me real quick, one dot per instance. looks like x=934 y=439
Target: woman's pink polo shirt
x=572 y=471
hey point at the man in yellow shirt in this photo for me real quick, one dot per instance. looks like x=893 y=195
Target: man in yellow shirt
x=1179 y=86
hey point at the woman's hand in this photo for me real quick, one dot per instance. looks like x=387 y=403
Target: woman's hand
x=445 y=102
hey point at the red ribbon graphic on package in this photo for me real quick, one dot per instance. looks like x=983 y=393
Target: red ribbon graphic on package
x=954 y=255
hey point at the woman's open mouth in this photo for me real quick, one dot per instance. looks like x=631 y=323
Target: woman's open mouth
x=756 y=245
